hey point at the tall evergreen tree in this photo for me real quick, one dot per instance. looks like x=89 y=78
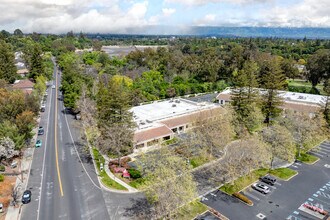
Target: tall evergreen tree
x=273 y=80
x=245 y=95
x=8 y=69
x=36 y=63
x=115 y=120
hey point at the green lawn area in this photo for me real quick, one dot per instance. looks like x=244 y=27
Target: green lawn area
x=189 y=211
x=283 y=173
x=307 y=158
x=302 y=83
x=106 y=180
x=242 y=182
x=198 y=161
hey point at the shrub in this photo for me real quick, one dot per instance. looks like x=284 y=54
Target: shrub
x=2 y=168
x=243 y=198
x=135 y=174
x=2 y=177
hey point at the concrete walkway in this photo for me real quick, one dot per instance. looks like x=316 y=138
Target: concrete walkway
x=112 y=176
x=13 y=212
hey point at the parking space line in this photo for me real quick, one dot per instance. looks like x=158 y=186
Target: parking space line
x=294 y=166
x=252 y=196
x=299 y=164
x=317 y=154
x=277 y=183
x=310 y=199
x=319 y=199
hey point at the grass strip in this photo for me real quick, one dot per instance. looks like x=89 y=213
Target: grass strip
x=105 y=179
x=189 y=211
x=283 y=173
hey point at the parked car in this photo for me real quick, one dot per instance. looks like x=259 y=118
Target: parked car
x=261 y=188
x=14 y=164
x=1 y=208
x=26 y=198
x=41 y=130
x=43 y=108
x=53 y=86
x=38 y=143
x=269 y=180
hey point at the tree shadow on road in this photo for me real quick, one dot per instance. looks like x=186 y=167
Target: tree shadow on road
x=140 y=209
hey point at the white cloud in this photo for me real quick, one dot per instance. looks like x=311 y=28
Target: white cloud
x=207 y=20
x=60 y=16
x=168 y=11
x=205 y=2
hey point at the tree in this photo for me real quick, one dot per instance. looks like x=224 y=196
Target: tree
x=164 y=170
x=10 y=130
x=281 y=142
x=8 y=69
x=272 y=79
x=12 y=103
x=36 y=65
x=97 y=45
x=40 y=85
x=114 y=118
x=326 y=110
x=318 y=66
x=289 y=70
x=245 y=96
x=18 y=32
x=7 y=149
x=301 y=126
x=25 y=123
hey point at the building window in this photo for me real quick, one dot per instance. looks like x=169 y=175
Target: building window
x=166 y=138
x=221 y=102
x=174 y=130
x=181 y=128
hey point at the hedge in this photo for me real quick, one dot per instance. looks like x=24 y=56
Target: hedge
x=243 y=198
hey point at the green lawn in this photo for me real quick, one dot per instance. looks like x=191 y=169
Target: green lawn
x=298 y=83
x=189 y=211
x=243 y=181
x=198 y=161
x=283 y=173
x=307 y=158
x=105 y=179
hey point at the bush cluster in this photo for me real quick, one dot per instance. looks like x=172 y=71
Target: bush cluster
x=243 y=198
x=2 y=177
x=135 y=174
x=2 y=168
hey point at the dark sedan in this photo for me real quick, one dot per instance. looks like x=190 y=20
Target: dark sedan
x=26 y=198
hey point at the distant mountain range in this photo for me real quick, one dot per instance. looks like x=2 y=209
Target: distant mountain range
x=310 y=33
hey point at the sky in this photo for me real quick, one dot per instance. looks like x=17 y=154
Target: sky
x=129 y=16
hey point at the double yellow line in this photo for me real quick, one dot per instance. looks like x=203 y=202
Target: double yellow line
x=55 y=131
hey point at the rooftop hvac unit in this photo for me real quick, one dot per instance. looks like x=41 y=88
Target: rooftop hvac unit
x=149 y=121
x=177 y=101
x=174 y=105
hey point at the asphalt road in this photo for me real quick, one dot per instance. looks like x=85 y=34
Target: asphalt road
x=312 y=185
x=62 y=185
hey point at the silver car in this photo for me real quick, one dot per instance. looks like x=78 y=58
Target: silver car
x=261 y=188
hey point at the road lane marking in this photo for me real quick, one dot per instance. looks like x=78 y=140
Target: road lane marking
x=43 y=163
x=56 y=148
x=75 y=148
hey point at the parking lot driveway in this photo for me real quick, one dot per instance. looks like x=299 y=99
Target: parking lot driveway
x=312 y=184
x=228 y=205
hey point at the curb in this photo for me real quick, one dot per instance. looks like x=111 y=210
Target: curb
x=104 y=187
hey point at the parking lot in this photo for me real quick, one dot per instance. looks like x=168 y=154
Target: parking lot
x=285 y=199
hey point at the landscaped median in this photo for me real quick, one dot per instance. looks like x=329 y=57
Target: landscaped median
x=189 y=211
x=105 y=179
x=307 y=158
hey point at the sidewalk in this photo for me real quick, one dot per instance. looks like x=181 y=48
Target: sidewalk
x=112 y=176
x=13 y=213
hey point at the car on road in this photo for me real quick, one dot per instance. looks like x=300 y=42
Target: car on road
x=26 y=198
x=38 y=143
x=41 y=130
x=43 y=107
x=53 y=86
x=261 y=188
x=269 y=180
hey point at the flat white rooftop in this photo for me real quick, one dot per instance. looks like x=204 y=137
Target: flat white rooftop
x=293 y=96
x=149 y=114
